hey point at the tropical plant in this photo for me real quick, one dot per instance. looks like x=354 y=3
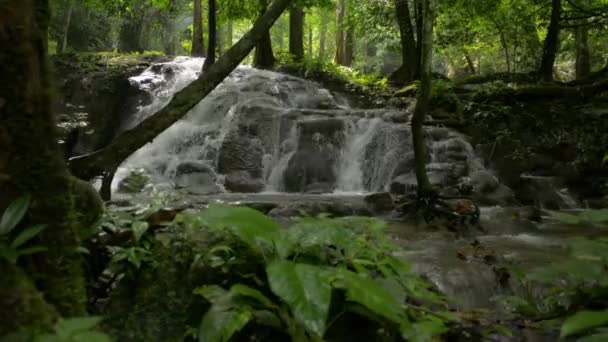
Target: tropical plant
x=78 y=329
x=302 y=280
x=12 y=239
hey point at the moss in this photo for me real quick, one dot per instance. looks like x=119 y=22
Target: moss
x=24 y=311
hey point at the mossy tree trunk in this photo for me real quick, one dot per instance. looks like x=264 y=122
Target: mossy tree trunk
x=583 y=58
x=212 y=34
x=31 y=161
x=107 y=159
x=551 y=42
x=340 y=34
x=264 y=56
x=296 y=32
x=408 y=71
x=425 y=189
x=198 y=44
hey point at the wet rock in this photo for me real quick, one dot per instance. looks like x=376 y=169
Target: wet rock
x=547 y=192
x=380 y=202
x=243 y=181
x=135 y=182
x=404 y=184
x=197 y=178
x=193 y=166
x=241 y=153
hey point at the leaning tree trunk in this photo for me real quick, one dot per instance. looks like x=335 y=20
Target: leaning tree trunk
x=340 y=36
x=264 y=56
x=198 y=44
x=408 y=71
x=583 y=63
x=296 y=32
x=67 y=19
x=212 y=35
x=31 y=162
x=107 y=159
x=551 y=42
x=425 y=188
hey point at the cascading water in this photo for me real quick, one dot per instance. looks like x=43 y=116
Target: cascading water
x=265 y=131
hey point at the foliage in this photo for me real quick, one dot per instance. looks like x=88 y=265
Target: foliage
x=79 y=329
x=307 y=277
x=12 y=239
x=587 y=217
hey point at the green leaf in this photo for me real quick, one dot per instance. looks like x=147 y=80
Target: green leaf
x=31 y=250
x=371 y=295
x=423 y=331
x=584 y=321
x=565 y=218
x=71 y=326
x=601 y=337
x=306 y=289
x=213 y=293
x=252 y=227
x=91 y=336
x=27 y=234
x=221 y=322
x=249 y=292
x=14 y=214
x=139 y=228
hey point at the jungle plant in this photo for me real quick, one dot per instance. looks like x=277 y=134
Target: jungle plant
x=304 y=279
x=79 y=329
x=12 y=240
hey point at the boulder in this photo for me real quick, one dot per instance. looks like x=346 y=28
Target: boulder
x=381 y=202
x=243 y=181
x=135 y=182
x=241 y=153
x=546 y=192
x=197 y=178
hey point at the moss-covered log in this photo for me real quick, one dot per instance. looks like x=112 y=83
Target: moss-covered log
x=32 y=162
x=109 y=158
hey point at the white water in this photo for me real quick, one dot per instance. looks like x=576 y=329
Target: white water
x=273 y=105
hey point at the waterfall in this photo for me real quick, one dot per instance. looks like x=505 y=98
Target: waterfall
x=266 y=131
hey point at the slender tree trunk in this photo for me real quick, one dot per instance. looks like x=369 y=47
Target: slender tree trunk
x=409 y=50
x=349 y=47
x=89 y=166
x=310 y=41
x=69 y=4
x=551 y=42
x=425 y=188
x=130 y=35
x=31 y=161
x=264 y=56
x=340 y=36
x=323 y=35
x=583 y=63
x=198 y=43
x=470 y=63
x=419 y=28
x=212 y=35
x=296 y=32
x=229 y=34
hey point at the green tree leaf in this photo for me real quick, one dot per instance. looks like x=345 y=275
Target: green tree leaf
x=371 y=295
x=306 y=289
x=221 y=322
x=27 y=234
x=14 y=214
x=139 y=228
x=601 y=337
x=71 y=326
x=249 y=292
x=584 y=321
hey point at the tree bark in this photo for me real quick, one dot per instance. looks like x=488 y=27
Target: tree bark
x=470 y=63
x=425 y=189
x=31 y=161
x=409 y=51
x=349 y=47
x=551 y=42
x=296 y=32
x=66 y=25
x=198 y=43
x=340 y=36
x=89 y=166
x=310 y=41
x=264 y=56
x=583 y=63
x=212 y=35
x=323 y=35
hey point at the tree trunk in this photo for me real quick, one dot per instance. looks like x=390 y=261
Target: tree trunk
x=89 y=166
x=340 y=36
x=212 y=35
x=310 y=41
x=349 y=47
x=66 y=24
x=31 y=161
x=551 y=42
x=470 y=63
x=583 y=63
x=198 y=43
x=130 y=35
x=264 y=57
x=409 y=51
x=229 y=33
x=425 y=188
x=323 y=35
x=296 y=32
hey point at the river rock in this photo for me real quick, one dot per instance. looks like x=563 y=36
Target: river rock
x=381 y=202
x=547 y=192
x=241 y=153
x=243 y=181
x=197 y=178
